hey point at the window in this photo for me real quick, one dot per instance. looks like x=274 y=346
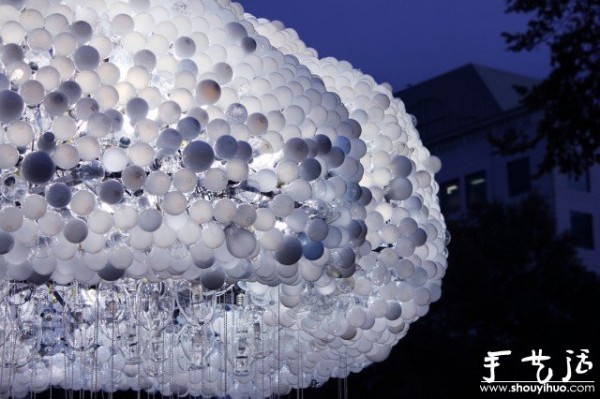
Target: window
x=476 y=184
x=582 y=229
x=519 y=176
x=450 y=196
x=581 y=182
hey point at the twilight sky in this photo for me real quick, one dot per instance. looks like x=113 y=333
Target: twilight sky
x=406 y=41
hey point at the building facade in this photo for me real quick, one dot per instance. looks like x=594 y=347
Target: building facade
x=458 y=111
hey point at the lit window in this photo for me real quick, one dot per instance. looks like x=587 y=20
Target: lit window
x=450 y=196
x=519 y=176
x=476 y=189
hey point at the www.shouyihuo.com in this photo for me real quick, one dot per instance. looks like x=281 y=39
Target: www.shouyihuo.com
x=544 y=383
x=552 y=387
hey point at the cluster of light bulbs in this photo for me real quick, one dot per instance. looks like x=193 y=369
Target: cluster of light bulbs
x=193 y=203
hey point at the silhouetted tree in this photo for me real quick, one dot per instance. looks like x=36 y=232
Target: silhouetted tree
x=570 y=95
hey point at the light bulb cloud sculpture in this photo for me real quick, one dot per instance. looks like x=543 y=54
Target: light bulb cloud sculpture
x=193 y=203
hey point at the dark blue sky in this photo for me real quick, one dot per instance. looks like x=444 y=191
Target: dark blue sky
x=406 y=41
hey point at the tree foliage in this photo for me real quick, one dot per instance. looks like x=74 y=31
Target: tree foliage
x=570 y=96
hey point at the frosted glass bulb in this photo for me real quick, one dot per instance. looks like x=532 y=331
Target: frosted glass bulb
x=11 y=106
x=50 y=224
x=158 y=183
x=150 y=220
x=198 y=156
x=75 y=231
x=83 y=202
x=272 y=240
x=32 y=92
x=100 y=221
x=133 y=177
x=141 y=154
x=9 y=156
x=65 y=156
x=111 y=191
x=236 y=170
x=215 y=180
x=34 y=207
x=38 y=167
x=174 y=203
x=126 y=218
x=212 y=235
x=11 y=219
x=184 y=47
x=185 y=180
x=58 y=195
x=201 y=211
x=114 y=159
x=240 y=242
x=208 y=92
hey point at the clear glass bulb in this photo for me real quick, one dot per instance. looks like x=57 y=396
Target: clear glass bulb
x=196 y=305
x=154 y=305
